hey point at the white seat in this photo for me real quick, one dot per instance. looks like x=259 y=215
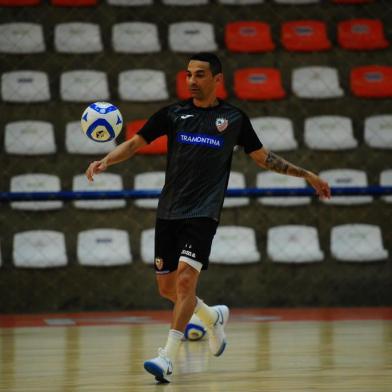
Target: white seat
x=236 y=180
x=29 y=138
x=346 y=178
x=276 y=180
x=147 y=241
x=187 y=37
x=316 y=82
x=357 y=242
x=240 y=2
x=386 y=180
x=276 y=133
x=135 y=37
x=103 y=248
x=130 y=3
x=329 y=133
x=149 y=181
x=297 y=2
x=84 y=86
x=76 y=142
x=378 y=131
x=77 y=37
x=185 y=3
x=142 y=85
x=234 y=245
x=39 y=249
x=25 y=86
x=294 y=244
x=21 y=38
x=102 y=182
x=36 y=183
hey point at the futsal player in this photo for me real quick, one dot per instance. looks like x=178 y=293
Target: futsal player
x=202 y=133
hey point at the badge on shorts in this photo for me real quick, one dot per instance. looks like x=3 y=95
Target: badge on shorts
x=221 y=124
x=159 y=263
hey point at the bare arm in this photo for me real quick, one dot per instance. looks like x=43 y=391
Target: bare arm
x=270 y=161
x=121 y=153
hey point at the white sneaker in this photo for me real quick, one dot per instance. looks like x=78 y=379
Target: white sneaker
x=161 y=367
x=216 y=334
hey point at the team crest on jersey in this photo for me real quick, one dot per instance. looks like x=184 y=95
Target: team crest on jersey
x=221 y=124
x=159 y=263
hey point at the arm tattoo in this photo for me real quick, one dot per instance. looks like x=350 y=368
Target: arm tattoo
x=277 y=164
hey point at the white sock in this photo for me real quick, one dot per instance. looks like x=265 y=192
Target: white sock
x=205 y=313
x=173 y=343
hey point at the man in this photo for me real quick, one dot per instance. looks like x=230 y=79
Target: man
x=202 y=133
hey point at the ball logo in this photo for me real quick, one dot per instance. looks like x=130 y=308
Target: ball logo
x=221 y=124
x=159 y=263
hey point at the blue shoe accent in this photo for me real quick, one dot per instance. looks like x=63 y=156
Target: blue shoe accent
x=156 y=371
x=222 y=348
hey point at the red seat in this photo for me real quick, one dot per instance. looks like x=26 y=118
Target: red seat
x=373 y=81
x=258 y=84
x=158 y=146
x=183 y=92
x=248 y=37
x=74 y=3
x=361 y=34
x=305 y=36
x=352 y=1
x=18 y=3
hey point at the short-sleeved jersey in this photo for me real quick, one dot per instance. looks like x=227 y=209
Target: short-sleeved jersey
x=200 y=148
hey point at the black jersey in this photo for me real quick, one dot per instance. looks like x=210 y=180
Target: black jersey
x=200 y=148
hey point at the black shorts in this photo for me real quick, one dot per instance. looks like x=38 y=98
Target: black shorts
x=182 y=238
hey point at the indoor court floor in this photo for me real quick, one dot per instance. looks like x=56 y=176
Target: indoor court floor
x=269 y=350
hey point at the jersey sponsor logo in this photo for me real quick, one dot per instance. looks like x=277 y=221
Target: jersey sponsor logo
x=200 y=139
x=185 y=116
x=221 y=124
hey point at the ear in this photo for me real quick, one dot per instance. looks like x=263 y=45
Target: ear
x=218 y=78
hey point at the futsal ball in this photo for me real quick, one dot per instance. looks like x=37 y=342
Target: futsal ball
x=101 y=122
x=195 y=329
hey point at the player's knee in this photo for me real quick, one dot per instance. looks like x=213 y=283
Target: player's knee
x=185 y=285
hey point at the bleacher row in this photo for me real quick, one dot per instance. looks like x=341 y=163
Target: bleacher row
x=91 y=3
x=192 y=36
x=232 y=245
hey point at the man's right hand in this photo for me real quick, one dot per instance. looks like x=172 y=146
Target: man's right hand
x=95 y=167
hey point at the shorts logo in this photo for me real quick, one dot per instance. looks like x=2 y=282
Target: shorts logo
x=200 y=139
x=221 y=124
x=188 y=253
x=159 y=263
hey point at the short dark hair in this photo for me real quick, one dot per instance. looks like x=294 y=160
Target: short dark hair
x=212 y=59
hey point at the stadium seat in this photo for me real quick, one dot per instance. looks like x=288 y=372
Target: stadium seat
x=29 y=138
x=240 y=2
x=316 y=83
x=39 y=249
x=373 y=81
x=36 y=183
x=74 y=3
x=276 y=133
x=25 y=86
x=103 y=248
x=76 y=142
x=147 y=240
x=296 y=2
x=362 y=34
x=190 y=37
x=102 y=182
x=183 y=92
x=305 y=36
x=378 y=131
x=234 y=245
x=84 y=86
x=185 y=3
x=157 y=147
x=386 y=180
x=346 y=178
x=149 y=181
x=135 y=37
x=236 y=181
x=275 y=180
x=21 y=38
x=357 y=243
x=249 y=37
x=294 y=244
x=256 y=84
x=130 y=3
x=77 y=38
x=142 y=85
x=329 y=133
x=19 y=3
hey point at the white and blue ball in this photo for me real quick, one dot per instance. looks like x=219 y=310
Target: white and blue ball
x=101 y=122
x=195 y=329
